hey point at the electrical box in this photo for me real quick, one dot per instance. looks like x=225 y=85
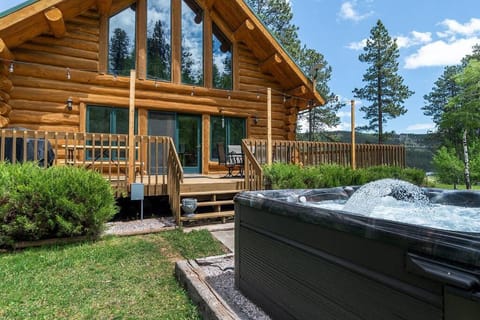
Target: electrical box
x=136 y=191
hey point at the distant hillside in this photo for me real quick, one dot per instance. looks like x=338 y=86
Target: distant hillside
x=420 y=147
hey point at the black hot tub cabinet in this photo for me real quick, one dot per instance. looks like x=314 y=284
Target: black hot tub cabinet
x=299 y=262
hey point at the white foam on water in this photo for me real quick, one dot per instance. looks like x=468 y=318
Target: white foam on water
x=445 y=217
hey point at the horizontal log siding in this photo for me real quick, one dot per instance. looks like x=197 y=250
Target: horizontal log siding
x=41 y=88
x=251 y=79
x=40 y=78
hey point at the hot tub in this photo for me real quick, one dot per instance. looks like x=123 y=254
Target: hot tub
x=302 y=262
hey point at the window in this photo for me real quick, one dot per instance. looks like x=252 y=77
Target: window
x=107 y=120
x=159 y=40
x=222 y=60
x=192 y=43
x=121 y=46
x=230 y=131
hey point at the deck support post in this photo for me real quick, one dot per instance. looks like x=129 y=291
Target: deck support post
x=131 y=127
x=353 y=146
x=269 y=126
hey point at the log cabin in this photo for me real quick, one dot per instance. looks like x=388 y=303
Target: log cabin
x=203 y=73
x=202 y=70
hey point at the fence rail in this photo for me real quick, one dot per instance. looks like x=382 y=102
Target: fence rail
x=310 y=153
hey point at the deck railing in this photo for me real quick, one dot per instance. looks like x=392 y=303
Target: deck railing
x=310 y=153
x=105 y=153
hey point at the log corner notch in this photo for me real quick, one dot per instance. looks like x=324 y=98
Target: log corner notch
x=5 y=54
x=55 y=21
x=104 y=6
x=5 y=84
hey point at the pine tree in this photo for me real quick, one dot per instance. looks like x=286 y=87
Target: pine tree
x=159 y=53
x=277 y=16
x=120 y=60
x=384 y=88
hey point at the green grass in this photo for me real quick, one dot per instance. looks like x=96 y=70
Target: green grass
x=114 y=278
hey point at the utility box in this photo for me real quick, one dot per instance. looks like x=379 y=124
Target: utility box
x=136 y=191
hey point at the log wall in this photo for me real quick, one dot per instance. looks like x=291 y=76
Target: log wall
x=41 y=87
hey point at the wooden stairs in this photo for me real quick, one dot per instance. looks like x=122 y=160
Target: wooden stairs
x=214 y=197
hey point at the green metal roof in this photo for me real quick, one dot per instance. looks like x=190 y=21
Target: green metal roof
x=16 y=5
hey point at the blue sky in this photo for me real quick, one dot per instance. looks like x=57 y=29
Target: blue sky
x=431 y=35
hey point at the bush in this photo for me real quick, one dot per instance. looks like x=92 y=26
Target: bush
x=285 y=176
x=37 y=203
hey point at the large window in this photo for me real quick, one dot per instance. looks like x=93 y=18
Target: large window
x=159 y=40
x=192 y=43
x=121 y=46
x=226 y=130
x=222 y=60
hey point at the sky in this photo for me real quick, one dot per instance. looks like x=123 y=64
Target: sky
x=431 y=34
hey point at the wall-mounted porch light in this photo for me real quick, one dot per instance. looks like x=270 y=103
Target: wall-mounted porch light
x=69 y=104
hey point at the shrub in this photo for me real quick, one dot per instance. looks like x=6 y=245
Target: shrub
x=284 y=176
x=37 y=203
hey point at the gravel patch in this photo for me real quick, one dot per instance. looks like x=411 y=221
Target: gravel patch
x=124 y=228
x=220 y=274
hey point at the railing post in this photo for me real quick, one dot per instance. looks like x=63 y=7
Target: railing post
x=131 y=126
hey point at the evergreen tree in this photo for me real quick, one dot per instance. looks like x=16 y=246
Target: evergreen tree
x=384 y=88
x=277 y=16
x=158 y=53
x=120 y=60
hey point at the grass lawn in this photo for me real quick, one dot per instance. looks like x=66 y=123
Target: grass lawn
x=114 y=278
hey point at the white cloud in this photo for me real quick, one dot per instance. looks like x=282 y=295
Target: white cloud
x=357 y=45
x=441 y=53
x=420 y=127
x=349 y=12
x=415 y=38
x=455 y=28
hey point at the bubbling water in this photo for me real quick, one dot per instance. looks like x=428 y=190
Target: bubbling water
x=401 y=201
x=365 y=199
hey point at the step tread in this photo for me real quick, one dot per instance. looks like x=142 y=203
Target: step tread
x=209 y=215
x=206 y=193
x=214 y=203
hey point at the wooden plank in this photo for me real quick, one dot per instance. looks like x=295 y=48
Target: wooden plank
x=141 y=61
x=176 y=41
x=212 y=215
x=103 y=44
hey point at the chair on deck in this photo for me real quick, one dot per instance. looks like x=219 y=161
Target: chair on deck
x=230 y=161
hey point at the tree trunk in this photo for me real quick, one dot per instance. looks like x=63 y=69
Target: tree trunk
x=380 y=111
x=468 y=184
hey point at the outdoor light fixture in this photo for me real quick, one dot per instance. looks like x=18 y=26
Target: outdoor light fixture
x=69 y=76
x=255 y=119
x=223 y=118
x=10 y=69
x=69 y=104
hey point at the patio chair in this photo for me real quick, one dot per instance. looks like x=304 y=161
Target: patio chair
x=225 y=160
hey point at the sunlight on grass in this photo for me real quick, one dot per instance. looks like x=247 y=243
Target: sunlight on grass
x=115 y=278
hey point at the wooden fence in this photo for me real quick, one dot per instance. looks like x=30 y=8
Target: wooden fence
x=310 y=153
